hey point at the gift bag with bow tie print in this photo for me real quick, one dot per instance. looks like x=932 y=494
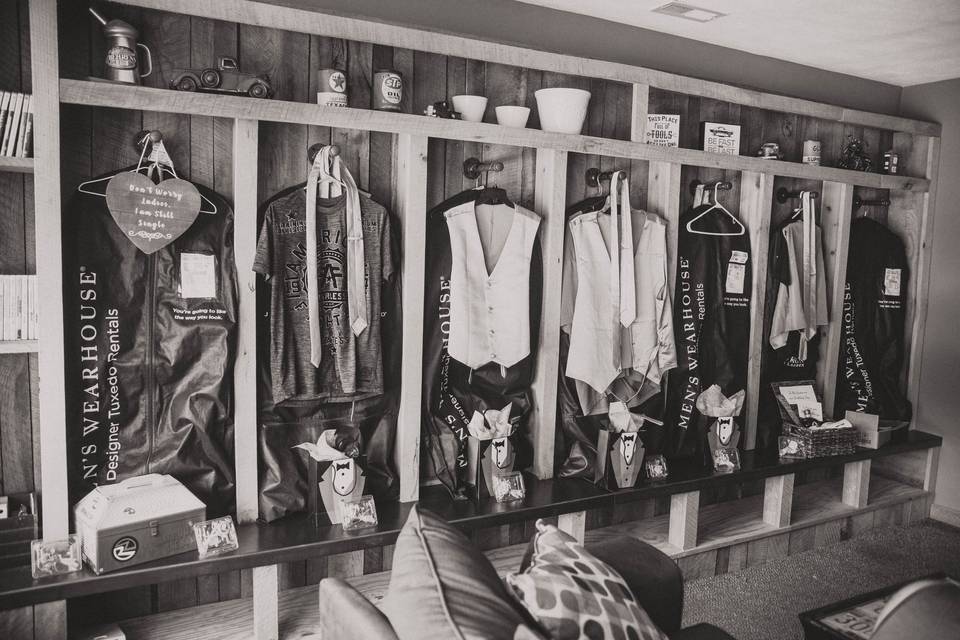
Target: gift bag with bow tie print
x=491 y=449
x=337 y=476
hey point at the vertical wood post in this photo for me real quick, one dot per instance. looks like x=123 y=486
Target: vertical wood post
x=856 y=483
x=684 y=516
x=550 y=203
x=663 y=199
x=756 y=202
x=266 y=618
x=835 y=214
x=778 y=500
x=47 y=201
x=245 y=138
x=930 y=472
x=410 y=191
x=50 y=620
x=638 y=112
x=573 y=523
x=911 y=217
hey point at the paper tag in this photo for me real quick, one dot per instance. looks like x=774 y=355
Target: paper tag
x=891 y=282
x=739 y=257
x=736 y=274
x=799 y=393
x=197 y=276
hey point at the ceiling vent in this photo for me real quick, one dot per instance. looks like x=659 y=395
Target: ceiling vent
x=688 y=12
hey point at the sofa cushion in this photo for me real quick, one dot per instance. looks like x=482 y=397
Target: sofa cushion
x=576 y=596
x=442 y=587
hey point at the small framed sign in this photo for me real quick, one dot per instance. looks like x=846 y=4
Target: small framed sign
x=663 y=129
x=215 y=536
x=55 y=557
x=720 y=138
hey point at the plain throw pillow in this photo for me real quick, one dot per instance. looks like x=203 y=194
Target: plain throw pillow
x=575 y=596
x=443 y=588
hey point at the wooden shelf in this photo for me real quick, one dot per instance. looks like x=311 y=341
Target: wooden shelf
x=722 y=525
x=16 y=165
x=19 y=346
x=296 y=538
x=102 y=94
x=301 y=16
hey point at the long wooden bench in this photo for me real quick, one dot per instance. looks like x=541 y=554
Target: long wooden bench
x=877 y=487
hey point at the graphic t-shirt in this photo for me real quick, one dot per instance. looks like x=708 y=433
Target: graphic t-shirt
x=351 y=367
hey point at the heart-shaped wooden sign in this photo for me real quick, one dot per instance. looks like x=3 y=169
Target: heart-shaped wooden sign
x=152 y=215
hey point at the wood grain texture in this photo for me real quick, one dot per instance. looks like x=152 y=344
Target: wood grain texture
x=909 y=467
x=930 y=473
x=550 y=203
x=410 y=205
x=835 y=211
x=245 y=136
x=49 y=621
x=296 y=16
x=913 y=220
x=684 y=513
x=265 y=611
x=574 y=524
x=291 y=112
x=778 y=500
x=756 y=200
x=46 y=150
x=663 y=199
x=856 y=483
x=640 y=107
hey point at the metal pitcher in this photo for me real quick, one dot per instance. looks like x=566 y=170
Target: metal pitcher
x=121 y=60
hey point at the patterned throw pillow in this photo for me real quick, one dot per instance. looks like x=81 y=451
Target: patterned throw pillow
x=575 y=596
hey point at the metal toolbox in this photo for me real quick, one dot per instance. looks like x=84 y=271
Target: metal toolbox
x=137 y=520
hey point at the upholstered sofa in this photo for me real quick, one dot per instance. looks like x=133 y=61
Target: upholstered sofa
x=654 y=579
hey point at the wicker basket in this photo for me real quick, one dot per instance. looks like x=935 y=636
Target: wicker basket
x=818 y=442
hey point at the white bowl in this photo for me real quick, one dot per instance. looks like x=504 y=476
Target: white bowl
x=470 y=107
x=510 y=116
x=562 y=110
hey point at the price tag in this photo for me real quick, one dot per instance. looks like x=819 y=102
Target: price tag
x=891 y=282
x=739 y=257
x=736 y=274
x=198 y=277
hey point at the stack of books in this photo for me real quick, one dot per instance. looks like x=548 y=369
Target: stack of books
x=16 y=124
x=18 y=307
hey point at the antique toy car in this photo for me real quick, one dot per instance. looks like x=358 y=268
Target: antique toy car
x=226 y=78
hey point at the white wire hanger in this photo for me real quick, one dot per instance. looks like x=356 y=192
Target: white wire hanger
x=154 y=165
x=717 y=206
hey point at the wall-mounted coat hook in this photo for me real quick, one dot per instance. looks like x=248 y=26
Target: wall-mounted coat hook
x=473 y=167
x=784 y=194
x=722 y=185
x=146 y=136
x=314 y=149
x=594 y=176
x=860 y=202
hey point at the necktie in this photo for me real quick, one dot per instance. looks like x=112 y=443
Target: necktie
x=622 y=277
x=322 y=174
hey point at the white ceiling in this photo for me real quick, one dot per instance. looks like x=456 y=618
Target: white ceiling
x=901 y=42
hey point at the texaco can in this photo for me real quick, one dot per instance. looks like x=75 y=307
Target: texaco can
x=387 y=90
x=811 y=152
x=331 y=88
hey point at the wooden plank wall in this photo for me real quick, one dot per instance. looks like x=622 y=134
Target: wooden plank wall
x=100 y=140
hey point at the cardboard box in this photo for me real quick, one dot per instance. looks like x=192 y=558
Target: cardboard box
x=136 y=521
x=868 y=426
